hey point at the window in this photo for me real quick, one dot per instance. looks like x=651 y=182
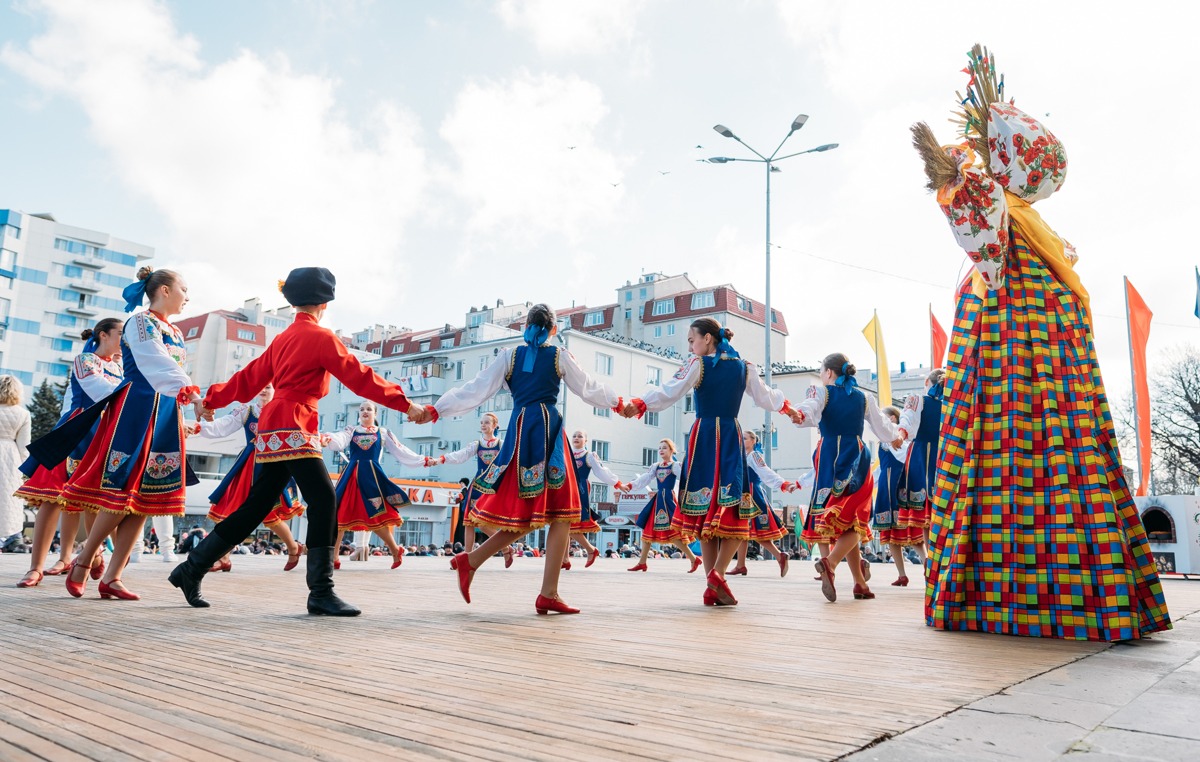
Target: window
x=73 y=271
x=628 y=314
x=24 y=326
x=484 y=362
x=62 y=345
x=641 y=293
x=458 y=369
x=108 y=255
x=775 y=440
x=689 y=404
x=650 y=418
x=671 y=330
x=191 y=334
x=603 y=412
x=53 y=368
x=30 y=275
x=474 y=320
x=397 y=348
x=246 y=334
x=664 y=307
x=10 y=231
x=8 y=260
x=593 y=318
x=653 y=376
x=5 y=304
x=456 y=445
x=600 y=447
x=604 y=364
x=745 y=305
x=658 y=331
x=649 y=456
x=448 y=342
x=424 y=346
x=629 y=295
x=599 y=493
x=774 y=317
x=703 y=299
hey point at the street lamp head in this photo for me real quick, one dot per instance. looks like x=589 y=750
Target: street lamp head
x=799 y=121
x=719 y=160
x=724 y=131
x=826 y=147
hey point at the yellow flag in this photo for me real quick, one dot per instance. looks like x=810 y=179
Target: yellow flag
x=874 y=334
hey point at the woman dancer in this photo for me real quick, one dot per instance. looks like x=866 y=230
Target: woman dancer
x=484 y=451
x=136 y=463
x=714 y=503
x=95 y=373
x=232 y=490
x=766 y=527
x=655 y=518
x=14 y=438
x=892 y=492
x=841 y=498
x=585 y=463
x=367 y=500
x=530 y=484
x=921 y=425
x=299 y=362
x=1061 y=553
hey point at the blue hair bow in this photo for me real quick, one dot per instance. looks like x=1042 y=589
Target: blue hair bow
x=91 y=345
x=725 y=348
x=758 y=446
x=535 y=336
x=849 y=383
x=134 y=293
x=937 y=390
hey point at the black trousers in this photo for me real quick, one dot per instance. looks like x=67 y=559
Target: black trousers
x=313 y=480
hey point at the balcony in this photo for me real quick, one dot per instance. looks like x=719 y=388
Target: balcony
x=421 y=387
x=410 y=430
x=87 y=312
x=84 y=286
x=88 y=262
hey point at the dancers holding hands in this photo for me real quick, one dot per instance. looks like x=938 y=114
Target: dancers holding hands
x=655 y=518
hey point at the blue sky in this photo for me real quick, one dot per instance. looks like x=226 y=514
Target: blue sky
x=423 y=150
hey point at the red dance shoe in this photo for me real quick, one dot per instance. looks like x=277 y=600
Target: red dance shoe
x=32 y=578
x=221 y=565
x=901 y=582
x=60 y=567
x=866 y=569
x=826 y=577
x=76 y=588
x=337 y=562
x=293 y=560
x=721 y=590
x=638 y=567
x=98 y=567
x=545 y=605
x=508 y=556
x=783 y=565
x=710 y=598
x=108 y=591
x=592 y=557
x=863 y=593
x=566 y=565
x=696 y=562
x=736 y=571
x=399 y=557
x=462 y=565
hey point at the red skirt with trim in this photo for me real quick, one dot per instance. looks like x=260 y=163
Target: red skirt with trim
x=849 y=511
x=583 y=527
x=507 y=511
x=355 y=516
x=286 y=509
x=901 y=536
x=45 y=486
x=766 y=527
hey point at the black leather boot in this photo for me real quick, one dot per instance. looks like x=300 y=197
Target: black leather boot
x=188 y=574
x=322 y=601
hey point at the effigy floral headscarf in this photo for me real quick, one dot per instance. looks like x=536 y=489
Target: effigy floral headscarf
x=1007 y=160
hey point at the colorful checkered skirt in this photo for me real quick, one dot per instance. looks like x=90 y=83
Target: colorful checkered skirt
x=1034 y=531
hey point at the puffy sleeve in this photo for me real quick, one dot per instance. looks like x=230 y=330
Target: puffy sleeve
x=978 y=216
x=244 y=385
x=910 y=416
x=358 y=378
x=401 y=453
x=145 y=341
x=756 y=462
x=880 y=423
x=463 y=455
x=89 y=372
x=476 y=391
x=601 y=471
x=22 y=437
x=673 y=389
x=340 y=440
x=643 y=481
x=225 y=426
x=585 y=387
x=767 y=399
x=813 y=405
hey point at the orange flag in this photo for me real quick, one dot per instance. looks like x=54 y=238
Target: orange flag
x=937 y=341
x=1138 y=315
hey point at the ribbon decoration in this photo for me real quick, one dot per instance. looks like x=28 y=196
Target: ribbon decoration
x=134 y=293
x=535 y=336
x=849 y=383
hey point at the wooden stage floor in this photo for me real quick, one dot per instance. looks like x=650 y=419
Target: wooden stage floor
x=646 y=672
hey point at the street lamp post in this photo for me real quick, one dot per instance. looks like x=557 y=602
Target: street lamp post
x=769 y=162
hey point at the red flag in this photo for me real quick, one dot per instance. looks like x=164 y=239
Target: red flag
x=937 y=341
x=1139 y=333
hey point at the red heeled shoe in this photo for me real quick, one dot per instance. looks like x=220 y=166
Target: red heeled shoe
x=592 y=557
x=462 y=565
x=108 y=591
x=710 y=598
x=98 y=568
x=783 y=565
x=29 y=580
x=60 y=567
x=508 y=556
x=545 y=605
x=294 y=560
x=736 y=571
x=566 y=565
x=862 y=592
x=826 y=577
x=866 y=569
x=76 y=588
x=696 y=562
x=901 y=582
x=638 y=567
x=721 y=590
x=337 y=562
x=221 y=565
x=398 y=558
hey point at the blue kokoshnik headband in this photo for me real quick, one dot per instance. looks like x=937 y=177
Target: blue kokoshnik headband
x=535 y=336
x=849 y=383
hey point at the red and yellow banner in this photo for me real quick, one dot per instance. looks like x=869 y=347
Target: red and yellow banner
x=1139 y=333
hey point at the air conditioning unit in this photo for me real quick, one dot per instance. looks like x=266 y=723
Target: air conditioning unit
x=443 y=444
x=447 y=365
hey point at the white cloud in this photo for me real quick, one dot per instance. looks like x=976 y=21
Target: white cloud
x=577 y=26
x=253 y=165
x=530 y=156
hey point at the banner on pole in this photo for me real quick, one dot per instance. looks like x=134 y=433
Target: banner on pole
x=937 y=341
x=1138 y=315
x=874 y=336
